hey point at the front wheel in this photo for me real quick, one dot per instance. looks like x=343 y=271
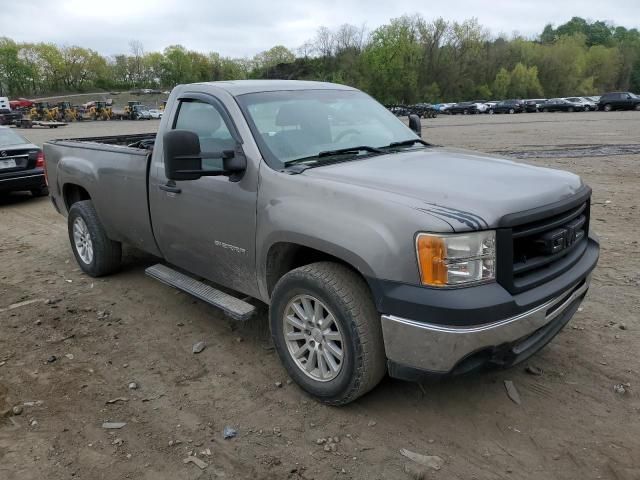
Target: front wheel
x=327 y=332
x=512 y=111
x=95 y=252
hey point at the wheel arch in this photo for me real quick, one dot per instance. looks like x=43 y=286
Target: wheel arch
x=284 y=256
x=72 y=193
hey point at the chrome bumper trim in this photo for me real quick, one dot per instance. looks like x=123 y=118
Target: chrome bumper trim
x=438 y=348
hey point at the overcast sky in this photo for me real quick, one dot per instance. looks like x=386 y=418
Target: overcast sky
x=244 y=27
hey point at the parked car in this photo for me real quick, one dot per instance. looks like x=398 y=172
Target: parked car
x=444 y=107
x=481 y=106
x=619 y=101
x=445 y=261
x=21 y=164
x=464 y=108
x=594 y=98
x=586 y=103
x=9 y=117
x=533 y=105
x=155 y=113
x=561 y=105
x=141 y=112
x=507 y=106
x=530 y=106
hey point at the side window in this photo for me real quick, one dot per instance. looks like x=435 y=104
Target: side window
x=204 y=120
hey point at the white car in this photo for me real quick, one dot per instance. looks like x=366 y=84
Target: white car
x=586 y=102
x=155 y=113
x=482 y=107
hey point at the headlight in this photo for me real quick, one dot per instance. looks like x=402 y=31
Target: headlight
x=450 y=260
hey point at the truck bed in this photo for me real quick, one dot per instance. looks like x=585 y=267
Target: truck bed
x=114 y=171
x=143 y=141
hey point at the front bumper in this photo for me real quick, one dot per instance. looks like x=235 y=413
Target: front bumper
x=441 y=349
x=481 y=325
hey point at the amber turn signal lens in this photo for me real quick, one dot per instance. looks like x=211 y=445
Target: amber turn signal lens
x=431 y=256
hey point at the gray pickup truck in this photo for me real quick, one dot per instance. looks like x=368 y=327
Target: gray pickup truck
x=376 y=251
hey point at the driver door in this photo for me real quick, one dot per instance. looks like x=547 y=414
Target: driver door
x=207 y=226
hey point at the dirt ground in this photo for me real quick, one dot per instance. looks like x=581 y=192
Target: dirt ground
x=106 y=333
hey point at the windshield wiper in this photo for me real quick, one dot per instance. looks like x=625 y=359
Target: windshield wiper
x=332 y=153
x=340 y=151
x=407 y=143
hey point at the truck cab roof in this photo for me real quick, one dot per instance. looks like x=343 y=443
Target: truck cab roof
x=242 y=87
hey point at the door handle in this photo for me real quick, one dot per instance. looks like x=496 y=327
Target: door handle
x=170 y=188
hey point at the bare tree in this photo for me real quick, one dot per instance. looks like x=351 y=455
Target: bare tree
x=137 y=54
x=348 y=37
x=324 y=42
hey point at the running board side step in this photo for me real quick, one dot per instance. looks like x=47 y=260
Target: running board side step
x=232 y=306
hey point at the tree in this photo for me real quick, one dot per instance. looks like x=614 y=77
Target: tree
x=502 y=83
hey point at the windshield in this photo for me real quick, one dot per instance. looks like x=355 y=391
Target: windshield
x=295 y=125
x=9 y=137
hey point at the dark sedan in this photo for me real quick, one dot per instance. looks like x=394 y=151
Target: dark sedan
x=562 y=105
x=464 y=108
x=619 y=101
x=508 y=106
x=21 y=164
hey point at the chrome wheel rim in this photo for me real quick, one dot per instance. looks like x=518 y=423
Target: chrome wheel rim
x=82 y=240
x=313 y=338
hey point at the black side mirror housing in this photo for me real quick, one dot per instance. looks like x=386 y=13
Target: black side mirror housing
x=183 y=158
x=415 y=124
x=181 y=155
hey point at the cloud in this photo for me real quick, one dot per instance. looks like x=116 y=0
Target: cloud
x=245 y=27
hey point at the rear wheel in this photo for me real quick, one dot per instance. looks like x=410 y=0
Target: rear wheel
x=512 y=111
x=95 y=252
x=545 y=110
x=607 y=108
x=571 y=109
x=637 y=108
x=327 y=332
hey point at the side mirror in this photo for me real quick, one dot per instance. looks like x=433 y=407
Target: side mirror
x=415 y=124
x=183 y=158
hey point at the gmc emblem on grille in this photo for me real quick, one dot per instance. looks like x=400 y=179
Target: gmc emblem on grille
x=3 y=153
x=561 y=238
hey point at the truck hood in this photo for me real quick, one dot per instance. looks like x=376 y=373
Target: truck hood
x=468 y=190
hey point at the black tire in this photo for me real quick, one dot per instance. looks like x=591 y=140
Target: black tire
x=637 y=107
x=348 y=298
x=607 y=108
x=107 y=254
x=491 y=112
x=512 y=111
x=545 y=110
x=40 y=192
x=571 y=109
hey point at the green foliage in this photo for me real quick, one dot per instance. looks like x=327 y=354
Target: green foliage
x=409 y=59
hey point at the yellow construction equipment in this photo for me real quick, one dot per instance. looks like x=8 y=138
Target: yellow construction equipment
x=100 y=111
x=41 y=111
x=65 y=112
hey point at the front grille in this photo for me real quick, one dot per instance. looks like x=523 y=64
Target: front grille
x=537 y=251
